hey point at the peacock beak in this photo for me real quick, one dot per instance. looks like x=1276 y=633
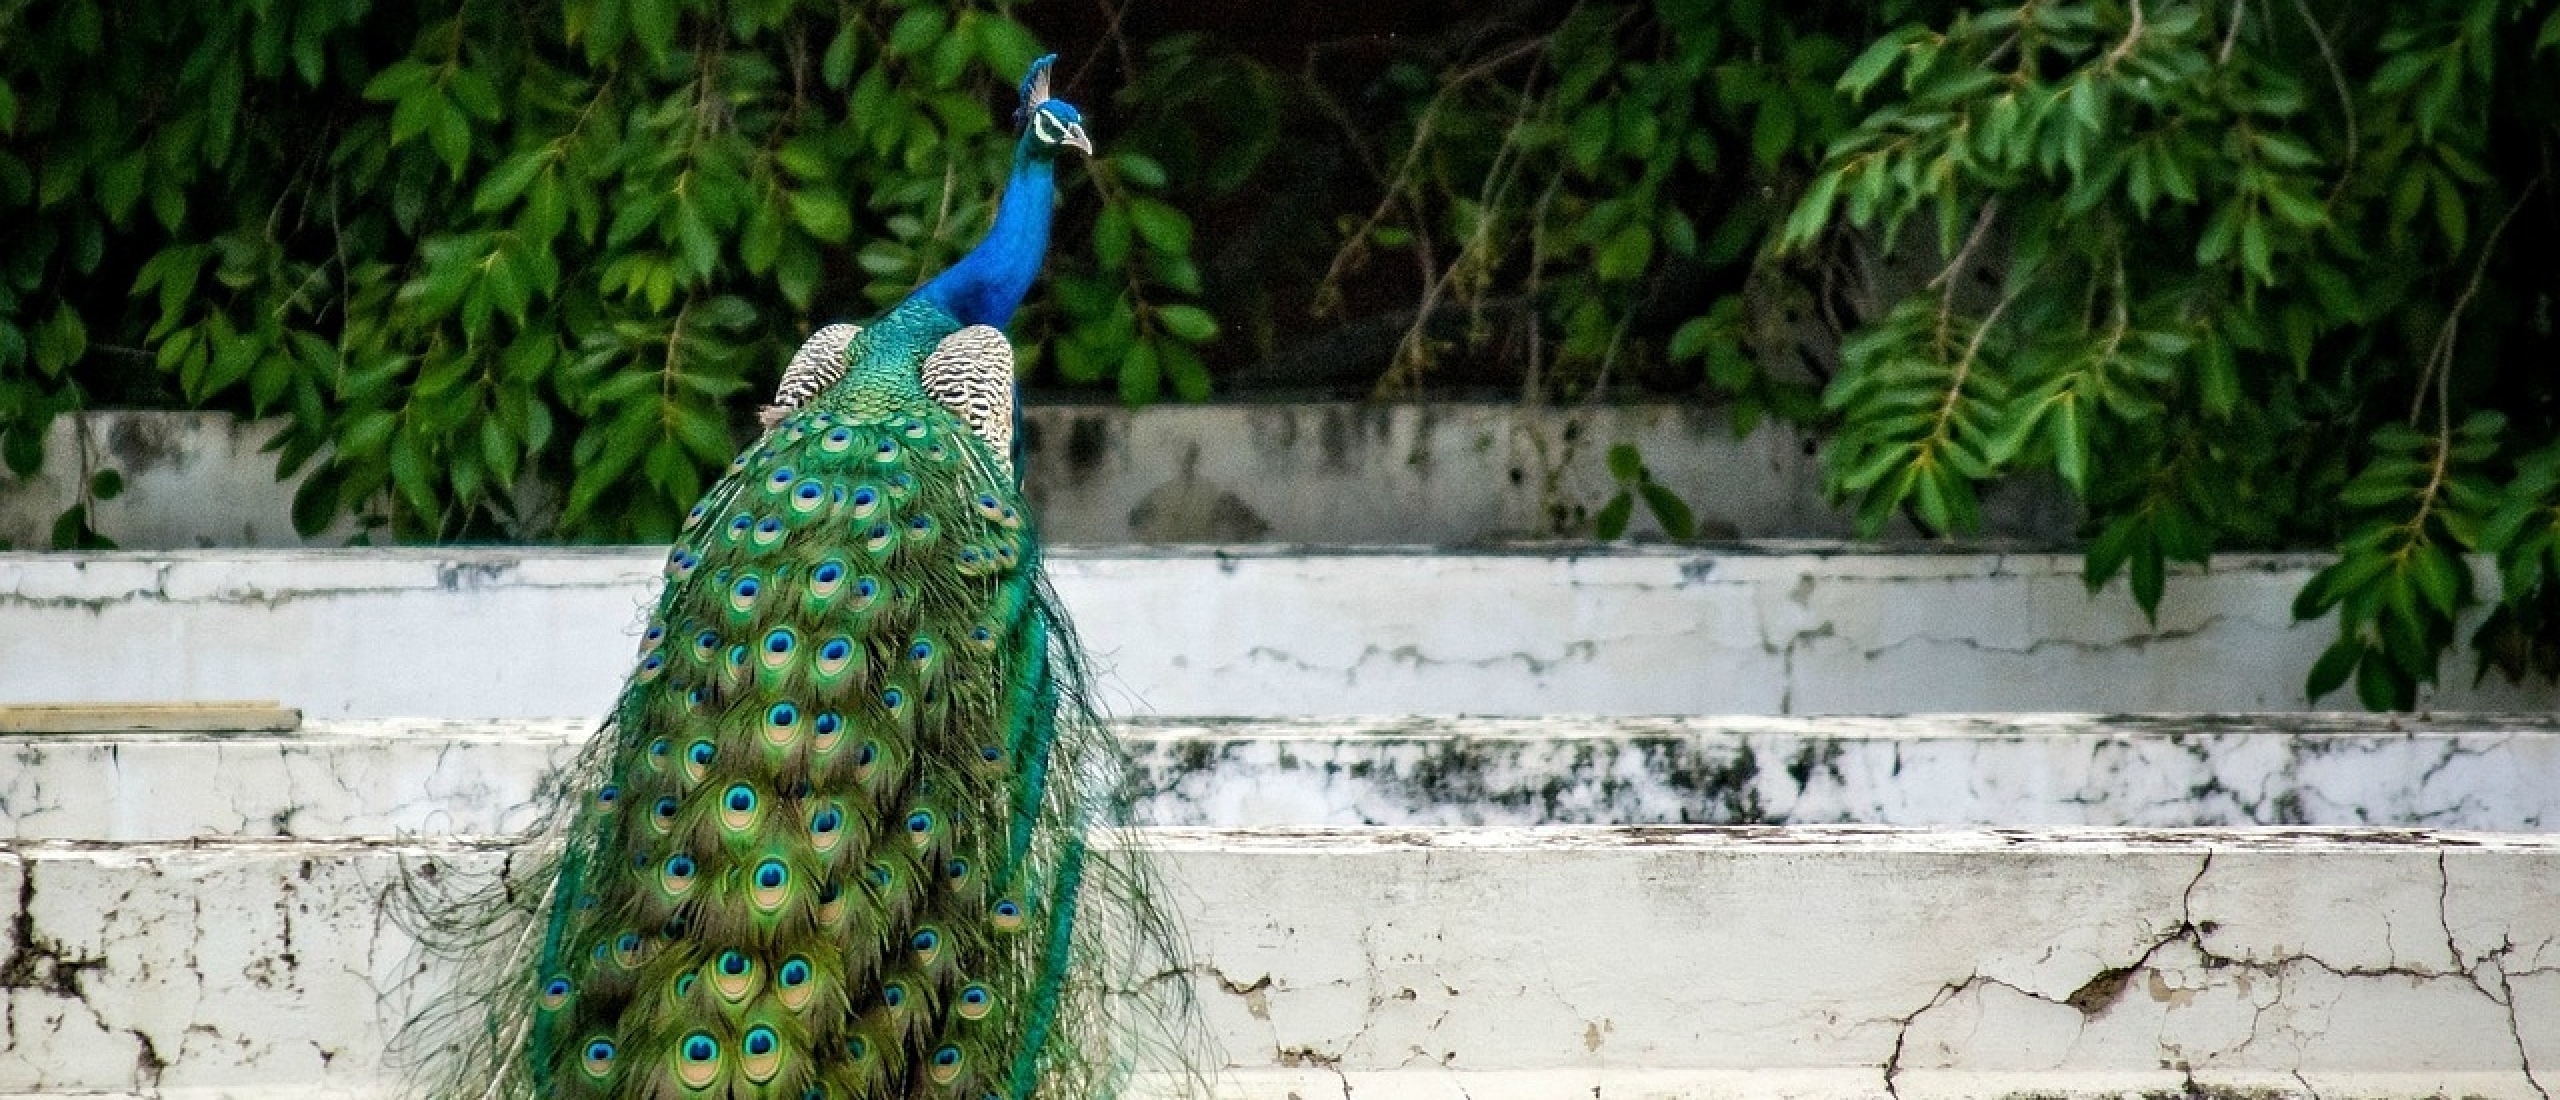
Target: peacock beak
x=1075 y=137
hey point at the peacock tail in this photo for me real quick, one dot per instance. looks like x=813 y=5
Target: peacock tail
x=845 y=832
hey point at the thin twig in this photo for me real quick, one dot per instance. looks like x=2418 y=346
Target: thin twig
x=2231 y=35
x=1947 y=280
x=2346 y=99
x=1407 y=368
x=1973 y=351
x=2439 y=366
x=1399 y=186
x=2132 y=34
x=1112 y=15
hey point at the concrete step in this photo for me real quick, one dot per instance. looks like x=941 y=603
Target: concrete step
x=1807 y=962
x=387 y=778
x=1773 y=628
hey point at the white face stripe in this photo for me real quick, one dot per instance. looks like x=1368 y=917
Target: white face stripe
x=1050 y=128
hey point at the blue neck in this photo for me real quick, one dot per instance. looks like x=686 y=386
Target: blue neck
x=986 y=285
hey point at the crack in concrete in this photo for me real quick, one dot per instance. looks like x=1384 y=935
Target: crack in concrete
x=2095 y=996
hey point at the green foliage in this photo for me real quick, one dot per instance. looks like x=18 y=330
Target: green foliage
x=514 y=270
x=2223 y=271
x=1635 y=483
x=2237 y=276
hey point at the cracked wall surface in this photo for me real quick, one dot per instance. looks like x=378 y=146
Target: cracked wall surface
x=1503 y=962
x=1750 y=630
x=393 y=777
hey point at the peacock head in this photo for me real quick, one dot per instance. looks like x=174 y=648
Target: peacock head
x=1049 y=125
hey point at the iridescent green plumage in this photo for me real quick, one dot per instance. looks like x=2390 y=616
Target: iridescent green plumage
x=833 y=842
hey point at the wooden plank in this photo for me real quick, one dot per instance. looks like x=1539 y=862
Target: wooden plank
x=256 y=716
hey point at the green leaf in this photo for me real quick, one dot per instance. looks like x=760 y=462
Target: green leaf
x=823 y=215
x=917 y=30
x=509 y=179
x=398 y=81
x=2378 y=685
x=1141 y=376
x=1138 y=168
x=1669 y=510
x=1625 y=464
x=1111 y=238
x=2331 y=670
x=1188 y=323
x=653 y=24
x=1164 y=228
x=106 y=484
x=1610 y=523
x=315 y=502
x=1626 y=255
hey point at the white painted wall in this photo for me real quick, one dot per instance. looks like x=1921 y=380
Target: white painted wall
x=398 y=777
x=1754 y=629
x=1507 y=964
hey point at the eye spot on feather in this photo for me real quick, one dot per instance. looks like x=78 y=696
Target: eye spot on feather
x=887 y=451
x=742 y=595
x=701 y=1061
x=697 y=760
x=893 y=995
x=662 y=816
x=836 y=441
x=739 y=525
x=828 y=728
x=555 y=993
x=946 y=1065
x=763 y=1054
x=676 y=878
x=607 y=795
x=831 y=903
x=772 y=885
x=598 y=1058
x=976 y=1002
x=651 y=666
x=793 y=980
x=700 y=509
x=1008 y=916
x=733 y=974
x=779 y=480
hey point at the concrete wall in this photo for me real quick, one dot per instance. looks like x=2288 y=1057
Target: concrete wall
x=1322 y=473
x=1501 y=964
x=1753 y=629
x=390 y=778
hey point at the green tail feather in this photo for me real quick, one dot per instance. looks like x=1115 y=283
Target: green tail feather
x=834 y=841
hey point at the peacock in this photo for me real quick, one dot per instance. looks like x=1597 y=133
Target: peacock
x=836 y=839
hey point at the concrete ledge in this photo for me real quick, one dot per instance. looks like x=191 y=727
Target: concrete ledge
x=1749 y=629
x=1813 y=962
x=387 y=777
x=1338 y=472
